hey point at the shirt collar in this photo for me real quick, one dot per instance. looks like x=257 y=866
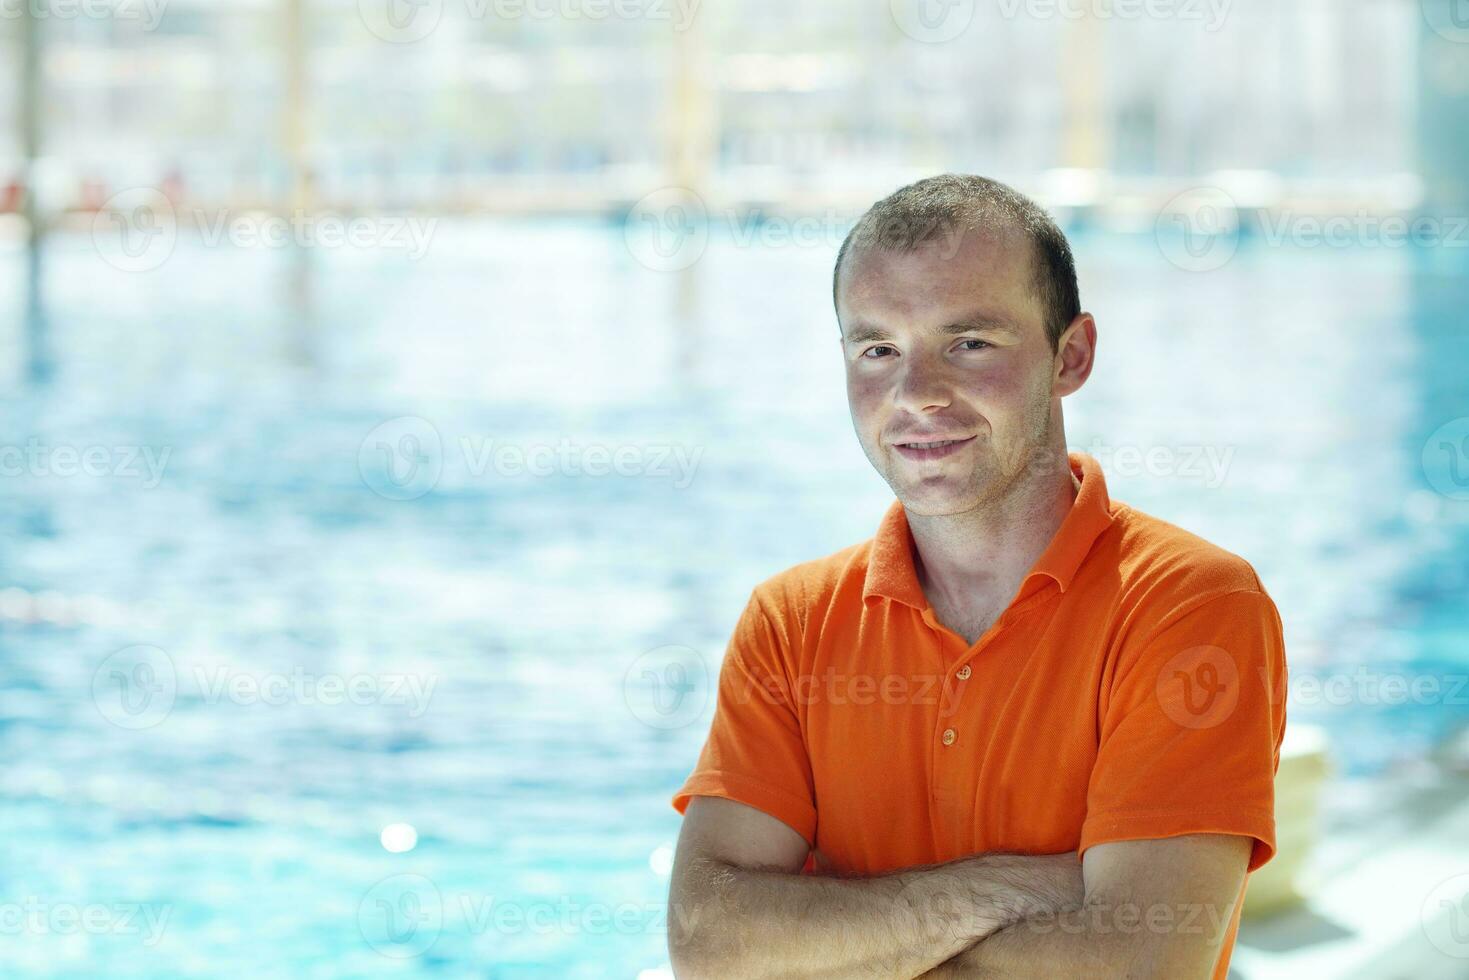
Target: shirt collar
x=891 y=572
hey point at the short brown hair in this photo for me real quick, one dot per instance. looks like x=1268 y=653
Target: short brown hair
x=925 y=210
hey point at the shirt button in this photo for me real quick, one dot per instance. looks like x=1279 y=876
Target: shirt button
x=949 y=736
x=963 y=674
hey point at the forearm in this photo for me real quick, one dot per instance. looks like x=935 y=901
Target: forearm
x=1041 y=946
x=751 y=923
x=744 y=923
x=1124 y=939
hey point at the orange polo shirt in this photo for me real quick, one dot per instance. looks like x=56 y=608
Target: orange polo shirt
x=1134 y=688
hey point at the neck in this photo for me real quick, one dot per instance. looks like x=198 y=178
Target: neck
x=975 y=561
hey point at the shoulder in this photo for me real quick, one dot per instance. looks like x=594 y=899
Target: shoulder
x=1182 y=596
x=1166 y=571
x=805 y=592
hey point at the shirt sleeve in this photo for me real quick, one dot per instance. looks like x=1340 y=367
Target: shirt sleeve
x=1191 y=727
x=755 y=753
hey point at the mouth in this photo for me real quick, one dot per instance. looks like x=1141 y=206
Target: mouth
x=924 y=451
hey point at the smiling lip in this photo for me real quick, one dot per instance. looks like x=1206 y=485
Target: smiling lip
x=922 y=451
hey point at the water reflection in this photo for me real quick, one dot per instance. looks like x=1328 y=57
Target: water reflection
x=262 y=554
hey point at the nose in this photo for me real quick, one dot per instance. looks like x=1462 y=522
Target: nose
x=923 y=387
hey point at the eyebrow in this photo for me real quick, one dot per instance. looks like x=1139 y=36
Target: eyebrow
x=863 y=333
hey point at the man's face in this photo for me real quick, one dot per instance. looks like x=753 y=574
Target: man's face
x=949 y=372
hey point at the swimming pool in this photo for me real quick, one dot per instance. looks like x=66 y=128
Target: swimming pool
x=393 y=541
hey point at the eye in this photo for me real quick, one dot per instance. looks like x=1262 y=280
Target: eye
x=872 y=353
x=979 y=344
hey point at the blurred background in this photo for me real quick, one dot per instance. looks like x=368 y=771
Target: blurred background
x=401 y=398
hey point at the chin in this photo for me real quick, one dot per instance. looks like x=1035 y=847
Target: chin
x=935 y=498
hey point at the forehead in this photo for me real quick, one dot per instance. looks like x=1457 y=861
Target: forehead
x=988 y=268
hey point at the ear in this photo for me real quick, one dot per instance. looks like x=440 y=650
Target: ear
x=1075 y=353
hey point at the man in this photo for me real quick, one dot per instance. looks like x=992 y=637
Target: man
x=1025 y=730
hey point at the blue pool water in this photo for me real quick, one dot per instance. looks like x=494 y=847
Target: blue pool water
x=335 y=498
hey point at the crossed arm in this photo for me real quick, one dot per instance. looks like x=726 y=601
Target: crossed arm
x=739 y=908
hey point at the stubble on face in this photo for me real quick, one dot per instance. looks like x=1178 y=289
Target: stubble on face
x=1003 y=464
